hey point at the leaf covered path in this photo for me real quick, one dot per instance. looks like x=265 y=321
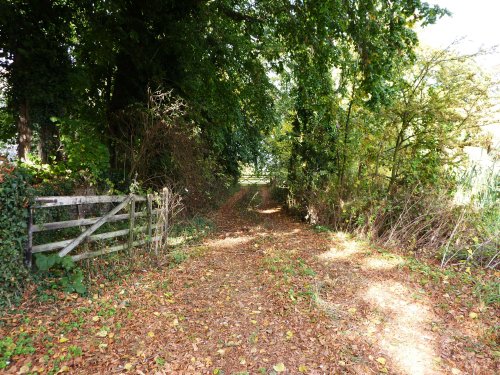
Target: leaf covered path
x=265 y=294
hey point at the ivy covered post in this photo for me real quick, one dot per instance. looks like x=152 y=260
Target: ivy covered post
x=15 y=198
x=28 y=253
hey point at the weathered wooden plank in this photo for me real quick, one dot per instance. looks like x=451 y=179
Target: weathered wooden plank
x=76 y=223
x=95 y=237
x=93 y=228
x=55 y=201
x=108 y=250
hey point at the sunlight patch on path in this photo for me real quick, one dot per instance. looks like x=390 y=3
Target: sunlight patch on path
x=348 y=249
x=230 y=241
x=269 y=211
x=405 y=338
x=381 y=264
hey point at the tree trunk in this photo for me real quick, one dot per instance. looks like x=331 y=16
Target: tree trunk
x=24 y=131
x=49 y=143
x=395 y=162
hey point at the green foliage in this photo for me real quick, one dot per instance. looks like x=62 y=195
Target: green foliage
x=86 y=156
x=388 y=168
x=61 y=272
x=178 y=256
x=22 y=344
x=15 y=196
x=192 y=230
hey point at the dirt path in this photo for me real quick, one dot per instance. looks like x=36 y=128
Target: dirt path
x=265 y=294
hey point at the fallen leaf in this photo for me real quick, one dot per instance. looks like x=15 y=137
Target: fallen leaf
x=302 y=368
x=472 y=315
x=96 y=318
x=63 y=339
x=63 y=369
x=151 y=334
x=280 y=367
x=289 y=335
x=24 y=369
x=352 y=310
x=455 y=371
x=102 y=333
x=127 y=366
x=381 y=360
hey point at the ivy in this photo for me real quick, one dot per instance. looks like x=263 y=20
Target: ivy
x=15 y=195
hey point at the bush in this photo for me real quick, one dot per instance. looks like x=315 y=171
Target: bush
x=15 y=195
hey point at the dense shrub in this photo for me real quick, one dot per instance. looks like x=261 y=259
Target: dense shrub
x=15 y=195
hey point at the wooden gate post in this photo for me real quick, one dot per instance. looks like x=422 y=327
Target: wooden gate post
x=131 y=222
x=150 y=220
x=28 y=251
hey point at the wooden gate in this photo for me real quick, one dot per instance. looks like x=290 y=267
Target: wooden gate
x=90 y=225
x=254 y=179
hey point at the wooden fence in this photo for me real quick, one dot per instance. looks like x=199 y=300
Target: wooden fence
x=90 y=225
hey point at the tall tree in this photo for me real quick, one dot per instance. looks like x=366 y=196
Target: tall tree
x=34 y=36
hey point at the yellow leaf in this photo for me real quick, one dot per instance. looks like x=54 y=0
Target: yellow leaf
x=102 y=333
x=128 y=366
x=280 y=367
x=63 y=339
x=221 y=352
x=253 y=321
x=352 y=310
x=381 y=360
x=96 y=318
x=455 y=371
x=302 y=368
x=289 y=335
x=63 y=369
x=472 y=315
x=151 y=334
x=384 y=370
